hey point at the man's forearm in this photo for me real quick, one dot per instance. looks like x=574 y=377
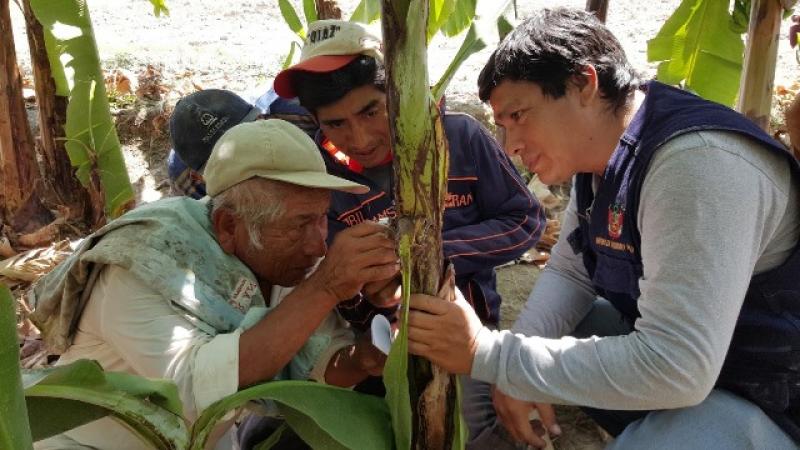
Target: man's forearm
x=269 y=345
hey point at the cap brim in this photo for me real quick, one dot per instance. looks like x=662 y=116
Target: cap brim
x=318 y=180
x=318 y=64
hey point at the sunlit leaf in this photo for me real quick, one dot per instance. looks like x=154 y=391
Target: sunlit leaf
x=475 y=40
x=460 y=18
x=439 y=12
x=698 y=48
x=367 y=11
x=159 y=7
x=92 y=142
x=291 y=18
x=290 y=57
x=310 y=11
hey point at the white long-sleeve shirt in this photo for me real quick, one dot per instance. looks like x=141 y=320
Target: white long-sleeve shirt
x=715 y=208
x=128 y=327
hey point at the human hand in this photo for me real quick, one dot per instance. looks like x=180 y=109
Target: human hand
x=444 y=329
x=515 y=415
x=384 y=293
x=359 y=255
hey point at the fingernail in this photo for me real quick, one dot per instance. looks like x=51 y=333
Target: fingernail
x=555 y=430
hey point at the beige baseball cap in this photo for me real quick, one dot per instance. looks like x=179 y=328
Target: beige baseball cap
x=273 y=149
x=330 y=45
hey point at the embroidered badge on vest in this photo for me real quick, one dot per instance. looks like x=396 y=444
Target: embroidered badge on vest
x=616 y=215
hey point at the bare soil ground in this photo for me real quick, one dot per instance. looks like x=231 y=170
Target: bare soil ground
x=240 y=46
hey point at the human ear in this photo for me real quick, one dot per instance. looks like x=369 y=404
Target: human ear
x=586 y=84
x=224 y=222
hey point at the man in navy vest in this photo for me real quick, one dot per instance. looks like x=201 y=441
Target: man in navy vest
x=677 y=273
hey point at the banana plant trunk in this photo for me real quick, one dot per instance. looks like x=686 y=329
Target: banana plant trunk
x=755 y=90
x=58 y=173
x=19 y=173
x=420 y=165
x=328 y=9
x=599 y=8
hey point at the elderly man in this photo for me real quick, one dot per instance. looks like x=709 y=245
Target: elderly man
x=200 y=291
x=490 y=217
x=683 y=218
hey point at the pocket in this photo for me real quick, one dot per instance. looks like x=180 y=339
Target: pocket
x=619 y=275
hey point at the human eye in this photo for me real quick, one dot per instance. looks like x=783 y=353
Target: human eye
x=517 y=115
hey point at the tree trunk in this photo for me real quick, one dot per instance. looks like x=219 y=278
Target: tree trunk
x=599 y=8
x=328 y=9
x=62 y=187
x=755 y=91
x=19 y=174
x=420 y=150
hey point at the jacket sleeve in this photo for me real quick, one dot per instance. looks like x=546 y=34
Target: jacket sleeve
x=512 y=220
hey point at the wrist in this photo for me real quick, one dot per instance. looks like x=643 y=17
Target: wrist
x=319 y=289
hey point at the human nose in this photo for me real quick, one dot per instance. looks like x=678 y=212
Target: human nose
x=359 y=136
x=513 y=143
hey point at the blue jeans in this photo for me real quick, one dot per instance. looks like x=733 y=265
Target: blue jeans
x=721 y=421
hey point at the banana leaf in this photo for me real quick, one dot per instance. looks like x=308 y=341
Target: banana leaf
x=699 y=47
x=64 y=397
x=159 y=6
x=310 y=11
x=461 y=17
x=367 y=11
x=323 y=416
x=14 y=430
x=91 y=139
x=291 y=18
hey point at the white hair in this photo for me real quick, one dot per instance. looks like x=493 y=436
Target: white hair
x=256 y=201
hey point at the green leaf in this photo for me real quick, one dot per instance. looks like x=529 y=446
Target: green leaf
x=478 y=35
x=310 y=11
x=159 y=6
x=14 y=430
x=438 y=13
x=326 y=416
x=291 y=18
x=64 y=397
x=395 y=371
x=473 y=43
x=461 y=17
x=698 y=48
x=504 y=26
x=290 y=57
x=367 y=11
x=92 y=142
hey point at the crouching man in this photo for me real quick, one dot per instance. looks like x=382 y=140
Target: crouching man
x=221 y=293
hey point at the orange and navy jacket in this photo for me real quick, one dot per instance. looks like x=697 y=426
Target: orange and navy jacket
x=490 y=216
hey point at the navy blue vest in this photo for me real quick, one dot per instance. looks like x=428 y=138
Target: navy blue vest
x=763 y=362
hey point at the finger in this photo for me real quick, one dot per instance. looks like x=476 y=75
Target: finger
x=373 y=256
x=419 y=348
x=366 y=228
x=524 y=430
x=548 y=417
x=425 y=321
x=379 y=272
x=428 y=303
